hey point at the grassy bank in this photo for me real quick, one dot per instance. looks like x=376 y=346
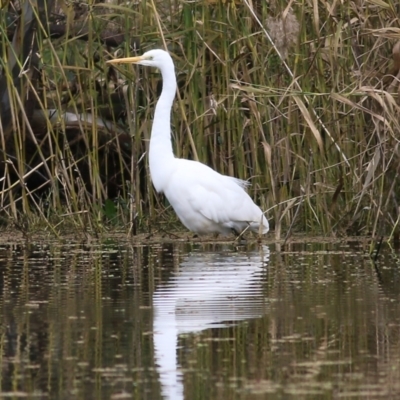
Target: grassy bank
x=301 y=100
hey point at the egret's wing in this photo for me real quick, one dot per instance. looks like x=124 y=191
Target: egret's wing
x=196 y=188
x=219 y=198
x=240 y=182
x=221 y=203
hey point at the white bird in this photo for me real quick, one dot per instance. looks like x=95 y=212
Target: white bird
x=204 y=200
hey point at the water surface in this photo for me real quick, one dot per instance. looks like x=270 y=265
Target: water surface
x=198 y=321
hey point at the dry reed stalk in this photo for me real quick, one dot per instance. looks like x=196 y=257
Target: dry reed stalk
x=305 y=105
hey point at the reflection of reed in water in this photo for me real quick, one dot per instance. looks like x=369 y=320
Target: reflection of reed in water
x=210 y=290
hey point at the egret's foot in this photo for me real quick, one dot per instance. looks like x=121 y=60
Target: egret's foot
x=239 y=236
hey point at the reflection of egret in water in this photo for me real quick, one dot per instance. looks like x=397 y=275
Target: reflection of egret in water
x=210 y=290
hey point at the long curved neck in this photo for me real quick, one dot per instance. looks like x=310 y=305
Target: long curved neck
x=160 y=141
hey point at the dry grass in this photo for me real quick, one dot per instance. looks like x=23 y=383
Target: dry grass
x=299 y=97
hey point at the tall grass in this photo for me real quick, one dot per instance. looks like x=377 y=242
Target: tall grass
x=300 y=98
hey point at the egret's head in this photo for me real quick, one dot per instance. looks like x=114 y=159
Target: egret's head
x=153 y=58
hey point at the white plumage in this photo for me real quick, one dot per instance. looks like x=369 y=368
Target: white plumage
x=204 y=200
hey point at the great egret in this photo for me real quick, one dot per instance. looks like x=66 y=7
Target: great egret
x=204 y=200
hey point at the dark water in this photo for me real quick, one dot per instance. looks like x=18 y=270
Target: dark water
x=187 y=321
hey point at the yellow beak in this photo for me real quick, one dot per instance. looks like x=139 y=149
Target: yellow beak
x=128 y=60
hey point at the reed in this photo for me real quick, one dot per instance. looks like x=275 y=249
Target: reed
x=301 y=98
